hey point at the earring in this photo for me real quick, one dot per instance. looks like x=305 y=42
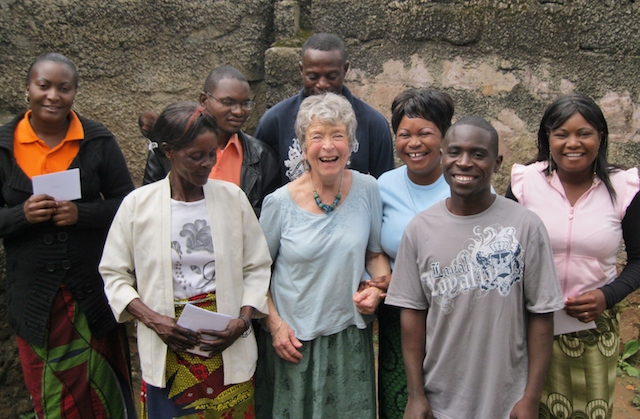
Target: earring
x=550 y=167
x=26 y=99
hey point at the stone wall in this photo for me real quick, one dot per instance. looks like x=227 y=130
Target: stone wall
x=504 y=60
x=132 y=55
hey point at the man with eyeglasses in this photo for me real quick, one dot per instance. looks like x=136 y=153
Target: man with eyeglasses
x=241 y=158
x=323 y=66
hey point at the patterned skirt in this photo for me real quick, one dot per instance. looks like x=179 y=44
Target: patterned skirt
x=195 y=385
x=76 y=375
x=580 y=383
x=392 y=381
x=334 y=379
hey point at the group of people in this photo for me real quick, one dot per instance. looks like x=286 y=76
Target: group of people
x=487 y=306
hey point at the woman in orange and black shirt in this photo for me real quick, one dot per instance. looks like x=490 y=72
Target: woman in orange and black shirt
x=74 y=355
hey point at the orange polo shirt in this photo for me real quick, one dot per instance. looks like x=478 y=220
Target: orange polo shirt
x=36 y=158
x=229 y=162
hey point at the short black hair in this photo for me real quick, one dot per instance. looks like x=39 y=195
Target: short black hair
x=325 y=42
x=221 y=73
x=434 y=106
x=181 y=122
x=479 y=122
x=55 y=57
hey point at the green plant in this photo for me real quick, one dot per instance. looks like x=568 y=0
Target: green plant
x=630 y=348
x=30 y=415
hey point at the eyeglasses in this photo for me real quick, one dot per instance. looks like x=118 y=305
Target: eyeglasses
x=247 y=105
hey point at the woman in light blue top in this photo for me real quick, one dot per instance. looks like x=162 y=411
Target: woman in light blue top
x=322 y=230
x=419 y=119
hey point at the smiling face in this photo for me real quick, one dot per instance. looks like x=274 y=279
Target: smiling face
x=192 y=164
x=230 y=119
x=469 y=161
x=322 y=71
x=51 y=91
x=418 y=144
x=574 y=146
x=326 y=149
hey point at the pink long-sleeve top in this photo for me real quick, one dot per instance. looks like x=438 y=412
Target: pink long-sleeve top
x=586 y=237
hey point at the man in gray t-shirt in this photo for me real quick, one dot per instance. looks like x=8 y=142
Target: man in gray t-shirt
x=476 y=280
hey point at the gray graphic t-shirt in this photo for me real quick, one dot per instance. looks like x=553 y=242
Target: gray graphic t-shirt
x=478 y=276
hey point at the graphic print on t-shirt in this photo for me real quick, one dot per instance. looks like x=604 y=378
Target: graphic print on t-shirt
x=295 y=162
x=492 y=261
x=196 y=266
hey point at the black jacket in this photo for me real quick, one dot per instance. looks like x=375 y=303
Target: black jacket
x=259 y=175
x=42 y=256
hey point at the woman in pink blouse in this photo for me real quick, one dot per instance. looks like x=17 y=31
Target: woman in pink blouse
x=588 y=207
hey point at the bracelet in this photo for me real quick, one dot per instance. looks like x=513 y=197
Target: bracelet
x=277 y=328
x=247 y=324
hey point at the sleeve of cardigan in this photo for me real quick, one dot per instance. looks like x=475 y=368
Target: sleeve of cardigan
x=115 y=184
x=12 y=219
x=256 y=270
x=117 y=264
x=629 y=279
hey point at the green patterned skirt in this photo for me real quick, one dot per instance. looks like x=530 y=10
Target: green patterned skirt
x=580 y=383
x=392 y=381
x=334 y=379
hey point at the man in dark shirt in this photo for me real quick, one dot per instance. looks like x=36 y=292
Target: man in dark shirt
x=323 y=66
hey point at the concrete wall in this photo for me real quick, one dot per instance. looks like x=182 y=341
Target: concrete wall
x=132 y=55
x=504 y=60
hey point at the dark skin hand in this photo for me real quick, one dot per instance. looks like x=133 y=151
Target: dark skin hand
x=65 y=214
x=586 y=307
x=539 y=344
x=382 y=283
x=418 y=408
x=226 y=337
x=40 y=208
x=177 y=338
x=412 y=324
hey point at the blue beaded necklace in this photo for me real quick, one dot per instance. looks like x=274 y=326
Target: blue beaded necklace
x=325 y=207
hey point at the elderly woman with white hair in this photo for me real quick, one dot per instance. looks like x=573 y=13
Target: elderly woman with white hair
x=322 y=230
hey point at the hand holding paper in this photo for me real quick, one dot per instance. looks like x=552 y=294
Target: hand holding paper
x=222 y=339
x=195 y=318
x=62 y=186
x=39 y=208
x=51 y=198
x=66 y=213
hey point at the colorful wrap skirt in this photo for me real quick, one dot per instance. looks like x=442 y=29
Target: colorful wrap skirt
x=195 y=385
x=580 y=383
x=334 y=379
x=76 y=375
x=392 y=381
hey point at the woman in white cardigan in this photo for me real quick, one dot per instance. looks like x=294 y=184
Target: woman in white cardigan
x=189 y=239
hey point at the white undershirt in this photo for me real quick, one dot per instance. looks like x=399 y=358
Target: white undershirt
x=192 y=254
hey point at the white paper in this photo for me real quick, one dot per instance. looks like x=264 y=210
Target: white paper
x=564 y=323
x=62 y=186
x=196 y=318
